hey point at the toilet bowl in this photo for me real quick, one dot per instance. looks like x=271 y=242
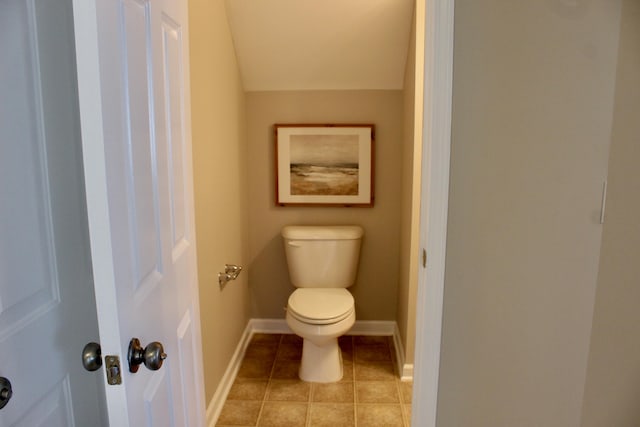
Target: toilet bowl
x=320 y=316
x=322 y=263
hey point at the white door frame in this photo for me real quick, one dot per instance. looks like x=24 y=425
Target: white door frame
x=436 y=149
x=434 y=194
x=93 y=146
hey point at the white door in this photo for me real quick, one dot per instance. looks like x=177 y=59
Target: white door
x=133 y=77
x=47 y=310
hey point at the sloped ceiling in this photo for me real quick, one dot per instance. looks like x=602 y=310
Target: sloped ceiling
x=320 y=44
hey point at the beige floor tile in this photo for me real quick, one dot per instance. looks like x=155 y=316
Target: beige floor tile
x=289 y=351
x=292 y=339
x=374 y=371
x=373 y=353
x=347 y=371
x=347 y=354
x=333 y=392
x=247 y=389
x=407 y=412
x=406 y=390
x=370 y=340
x=283 y=414
x=377 y=392
x=374 y=415
x=345 y=340
x=268 y=392
x=266 y=338
x=239 y=413
x=331 y=415
x=255 y=368
x=288 y=390
x=392 y=350
x=346 y=346
x=258 y=350
x=286 y=369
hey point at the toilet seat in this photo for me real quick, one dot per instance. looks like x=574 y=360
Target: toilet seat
x=320 y=306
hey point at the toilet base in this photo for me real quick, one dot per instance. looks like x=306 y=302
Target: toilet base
x=321 y=364
x=321 y=356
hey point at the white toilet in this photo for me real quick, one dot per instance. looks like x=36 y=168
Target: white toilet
x=323 y=261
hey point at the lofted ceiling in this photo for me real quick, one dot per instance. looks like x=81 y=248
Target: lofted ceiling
x=320 y=44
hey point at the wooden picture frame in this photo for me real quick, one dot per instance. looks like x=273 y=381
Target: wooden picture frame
x=326 y=164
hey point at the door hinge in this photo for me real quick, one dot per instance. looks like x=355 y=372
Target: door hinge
x=112 y=367
x=424 y=258
x=604 y=201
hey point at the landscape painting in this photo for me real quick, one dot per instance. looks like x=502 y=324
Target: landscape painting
x=324 y=164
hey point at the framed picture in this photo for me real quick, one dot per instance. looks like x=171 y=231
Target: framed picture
x=324 y=165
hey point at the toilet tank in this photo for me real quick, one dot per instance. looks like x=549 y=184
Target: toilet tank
x=322 y=256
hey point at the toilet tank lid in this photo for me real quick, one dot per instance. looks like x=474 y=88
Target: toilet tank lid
x=320 y=232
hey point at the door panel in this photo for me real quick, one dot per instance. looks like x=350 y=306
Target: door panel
x=141 y=144
x=187 y=355
x=158 y=402
x=47 y=310
x=53 y=410
x=26 y=220
x=174 y=129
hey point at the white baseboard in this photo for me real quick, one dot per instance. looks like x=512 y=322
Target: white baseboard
x=270 y=326
x=220 y=396
x=279 y=326
x=373 y=327
x=405 y=369
x=361 y=327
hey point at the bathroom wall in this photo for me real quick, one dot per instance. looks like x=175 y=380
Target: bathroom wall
x=377 y=284
x=219 y=153
x=612 y=390
x=533 y=91
x=411 y=174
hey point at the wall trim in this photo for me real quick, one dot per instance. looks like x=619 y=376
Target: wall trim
x=270 y=326
x=279 y=326
x=405 y=369
x=220 y=396
x=436 y=148
x=373 y=327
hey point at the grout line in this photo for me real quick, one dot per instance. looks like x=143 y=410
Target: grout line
x=309 y=400
x=404 y=417
x=353 y=377
x=273 y=367
x=264 y=398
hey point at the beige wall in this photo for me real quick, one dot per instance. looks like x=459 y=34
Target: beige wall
x=533 y=95
x=219 y=153
x=411 y=174
x=375 y=291
x=612 y=395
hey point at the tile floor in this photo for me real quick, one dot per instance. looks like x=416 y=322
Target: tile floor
x=267 y=391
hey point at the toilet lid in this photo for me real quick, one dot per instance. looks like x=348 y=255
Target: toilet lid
x=320 y=305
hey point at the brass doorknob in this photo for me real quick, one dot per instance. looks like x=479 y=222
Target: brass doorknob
x=92 y=356
x=152 y=355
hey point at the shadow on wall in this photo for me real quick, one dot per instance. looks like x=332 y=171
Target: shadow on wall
x=269 y=280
